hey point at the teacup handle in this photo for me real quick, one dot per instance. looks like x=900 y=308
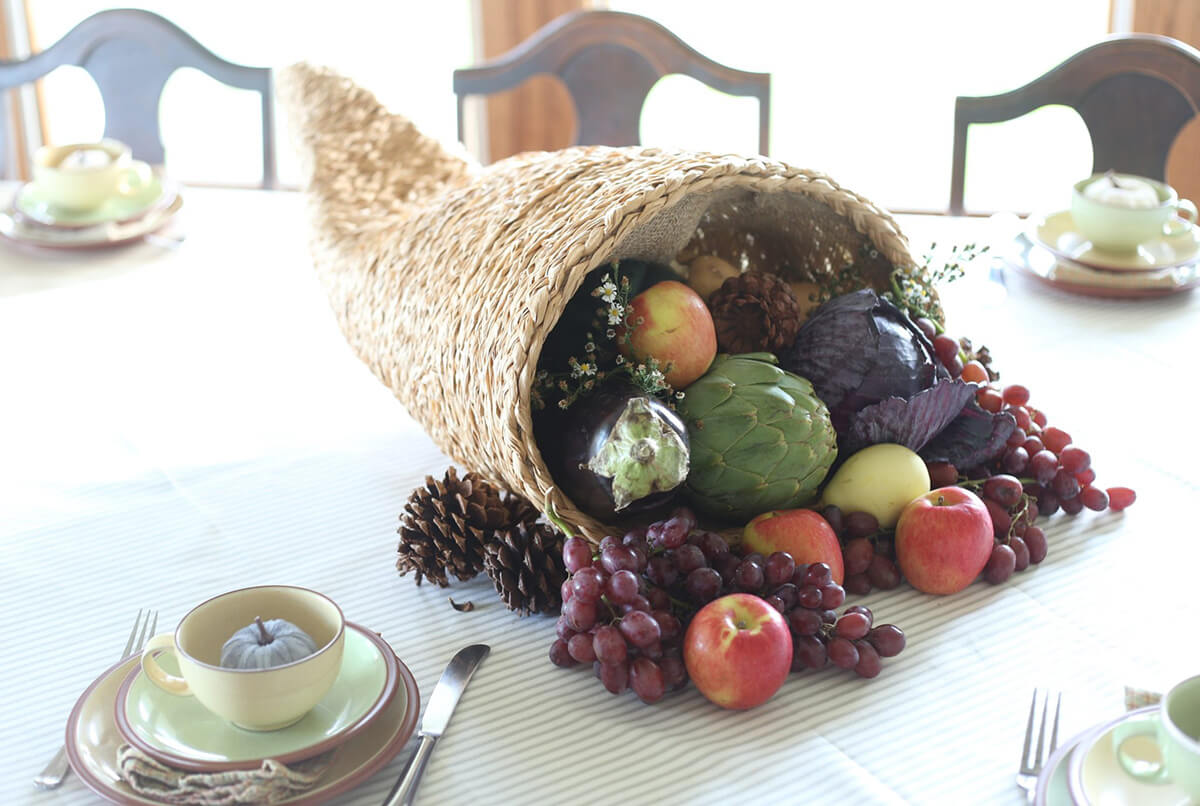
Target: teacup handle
x=167 y=682
x=137 y=175
x=1183 y=220
x=1147 y=724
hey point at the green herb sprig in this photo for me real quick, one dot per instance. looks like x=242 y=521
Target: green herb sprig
x=601 y=358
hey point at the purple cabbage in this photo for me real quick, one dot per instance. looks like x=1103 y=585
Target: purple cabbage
x=879 y=376
x=942 y=423
x=974 y=437
x=911 y=423
x=858 y=350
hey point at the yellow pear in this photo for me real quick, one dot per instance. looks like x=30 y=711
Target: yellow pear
x=880 y=479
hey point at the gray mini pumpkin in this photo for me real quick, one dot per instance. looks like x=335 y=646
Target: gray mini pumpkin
x=265 y=645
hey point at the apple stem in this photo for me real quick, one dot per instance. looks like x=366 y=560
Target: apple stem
x=941 y=502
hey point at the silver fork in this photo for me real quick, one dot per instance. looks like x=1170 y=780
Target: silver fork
x=1031 y=765
x=143 y=628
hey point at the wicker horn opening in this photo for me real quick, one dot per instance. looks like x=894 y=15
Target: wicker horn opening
x=447 y=277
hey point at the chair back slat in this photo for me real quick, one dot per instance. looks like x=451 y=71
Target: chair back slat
x=1135 y=93
x=609 y=62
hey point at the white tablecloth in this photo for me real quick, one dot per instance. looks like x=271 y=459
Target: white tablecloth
x=176 y=423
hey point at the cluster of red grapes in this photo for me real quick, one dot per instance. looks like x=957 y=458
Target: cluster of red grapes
x=614 y=620
x=1060 y=473
x=1040 y=471
x=626 y=606
x=868 y=552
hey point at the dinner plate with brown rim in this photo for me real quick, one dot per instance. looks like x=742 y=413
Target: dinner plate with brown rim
x=1033 y=260
x=181 y=732
x=15 y=227
x=92 y=741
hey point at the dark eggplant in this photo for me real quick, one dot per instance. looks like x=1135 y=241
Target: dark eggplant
x=618 y=452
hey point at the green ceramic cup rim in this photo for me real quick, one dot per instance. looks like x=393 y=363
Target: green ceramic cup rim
x=1168 y=196
x=337 y=636
x=118 y=150
x=1192 y=743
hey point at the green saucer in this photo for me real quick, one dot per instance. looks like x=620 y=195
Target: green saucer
x=32 y=202
x=182 y=732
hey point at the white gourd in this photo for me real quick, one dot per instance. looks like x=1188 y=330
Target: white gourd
x=1129 y=192
x=263 y=645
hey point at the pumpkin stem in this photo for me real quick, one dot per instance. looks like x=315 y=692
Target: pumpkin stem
x=264 y=636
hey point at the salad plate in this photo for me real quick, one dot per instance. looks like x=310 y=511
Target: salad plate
x=1095 y=775
x=92 y=742
x=181 y=732
x=1052 y=786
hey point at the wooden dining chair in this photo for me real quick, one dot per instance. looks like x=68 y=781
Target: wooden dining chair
x=130 y=54
x=1135 y=92
x=609 y=61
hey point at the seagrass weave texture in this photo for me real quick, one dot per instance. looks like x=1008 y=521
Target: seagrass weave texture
x=446 y=277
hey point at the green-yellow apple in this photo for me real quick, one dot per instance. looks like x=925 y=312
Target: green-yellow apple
x=943 y=540
x=671 y=324
x=738 y=651
x=802 y=533
x=880 y=479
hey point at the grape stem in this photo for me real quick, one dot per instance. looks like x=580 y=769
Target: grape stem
x=977 y=484
x=680 y=604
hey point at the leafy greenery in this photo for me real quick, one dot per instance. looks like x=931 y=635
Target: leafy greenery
x=912 y=288
x=914 y=291
x=600 y=358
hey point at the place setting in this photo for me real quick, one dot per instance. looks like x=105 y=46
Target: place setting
x=1123 y=237
x=1149 y=756
x=295 y=707
x=89 y=195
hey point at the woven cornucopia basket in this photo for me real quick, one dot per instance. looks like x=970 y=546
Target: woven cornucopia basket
x=446 y=277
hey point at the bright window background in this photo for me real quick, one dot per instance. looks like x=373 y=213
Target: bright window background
x=405 y=52
x=864 y=91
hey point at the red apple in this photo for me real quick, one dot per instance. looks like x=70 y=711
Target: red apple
x=943 y=540
x=802 y=533
x=671 y=324
x=738 y=651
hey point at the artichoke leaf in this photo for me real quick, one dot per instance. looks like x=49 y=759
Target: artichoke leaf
x=642 y=455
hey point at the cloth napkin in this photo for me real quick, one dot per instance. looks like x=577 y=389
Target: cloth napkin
x=270 y=783
x=1140 y=697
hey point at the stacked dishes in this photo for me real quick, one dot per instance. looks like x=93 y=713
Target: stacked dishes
x=367 y=716
x=1124 y=237
x=1087 y=770
x=31 y=217
x=1051 y=250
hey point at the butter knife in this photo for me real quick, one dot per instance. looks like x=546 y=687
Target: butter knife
x=437 y=716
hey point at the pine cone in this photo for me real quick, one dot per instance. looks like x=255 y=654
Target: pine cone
x=446 y=525
x=755 y=312
x=520 y=510
x=526 y=566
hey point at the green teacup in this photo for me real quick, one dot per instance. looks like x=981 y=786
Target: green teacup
x=1175 y=728
x=1113 y=227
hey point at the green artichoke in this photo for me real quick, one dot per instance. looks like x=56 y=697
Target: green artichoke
x=760 y=438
